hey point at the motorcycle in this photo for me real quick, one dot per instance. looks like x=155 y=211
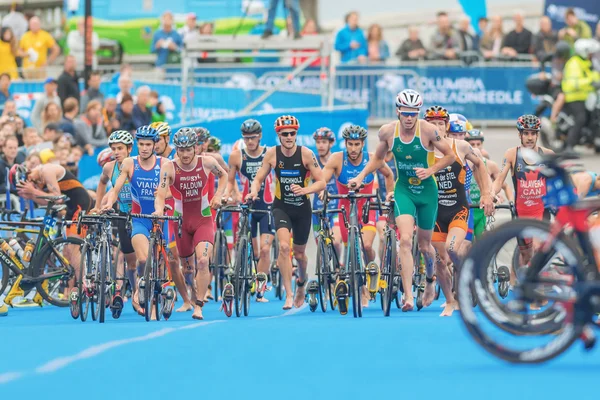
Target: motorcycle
x=555 y=137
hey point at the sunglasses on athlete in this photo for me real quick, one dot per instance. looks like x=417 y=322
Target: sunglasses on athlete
x=287 y=134
x=409 y=113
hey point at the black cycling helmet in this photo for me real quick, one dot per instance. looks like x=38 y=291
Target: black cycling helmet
x=251 y=127
x=354 y=132
x=563 y=50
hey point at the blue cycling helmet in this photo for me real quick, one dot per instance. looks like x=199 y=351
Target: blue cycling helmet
x=146 y=132
x=457 y=124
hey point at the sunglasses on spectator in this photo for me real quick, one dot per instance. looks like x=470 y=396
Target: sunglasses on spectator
x=287 y=134
x=409 y=113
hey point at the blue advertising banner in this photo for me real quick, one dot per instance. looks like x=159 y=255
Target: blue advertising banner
x=586 y=10
x=483 y=93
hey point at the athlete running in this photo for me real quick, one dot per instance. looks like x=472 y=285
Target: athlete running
x=475 y=139
x=291 y=207
x=245 y=163
x=345 y=165
x=453 y=205
x=56 y=181
x=203 y=148
x=187 y=176
x=381 y=189
x=163 y=147
x=412 y=142
x=324 y=139
x=142 y=172
x=120 y=144
x=529 y=186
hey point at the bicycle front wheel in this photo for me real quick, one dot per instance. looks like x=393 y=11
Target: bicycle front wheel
x=355 y=275
x=62 y=254
x=102 y=282
x=239 y=282
x=149 y=276
x=86 y=274
x=388 y=272
x=4 y=278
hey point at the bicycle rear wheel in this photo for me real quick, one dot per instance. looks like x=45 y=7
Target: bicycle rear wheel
x=101 y=285
x=160 y=279
x=248 y=278
x=322 y=273
x=61 y=254
x=4 y=278
x=218 y=262
x=85 y=275
x=149 y=276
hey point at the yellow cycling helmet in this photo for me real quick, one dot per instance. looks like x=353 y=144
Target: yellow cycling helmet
x=162 y=128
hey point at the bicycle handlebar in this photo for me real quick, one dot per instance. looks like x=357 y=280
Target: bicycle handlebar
x=332 y=211
x=156 y=217
x=352 y=195
x=54 y=199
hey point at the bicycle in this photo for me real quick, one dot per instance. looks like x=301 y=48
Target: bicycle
x=152 y=295
x=354 y=268
x=327 y=261
x=221 y=258
x=274 y=273
x=49 y=269
x=389 y=264
x=573 y=293
x=96 y=285
x=245 y=264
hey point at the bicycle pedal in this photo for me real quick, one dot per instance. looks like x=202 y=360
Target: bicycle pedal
x=343 y=299
x=117 y=307
x=38 y=299
x=372 y=277
x=588 y=337
x=383 y=284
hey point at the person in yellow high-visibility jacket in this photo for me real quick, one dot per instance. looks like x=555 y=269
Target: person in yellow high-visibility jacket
x=578 y=82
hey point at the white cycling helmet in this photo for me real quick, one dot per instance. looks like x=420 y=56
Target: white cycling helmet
x=586 y=47
x=409 y=98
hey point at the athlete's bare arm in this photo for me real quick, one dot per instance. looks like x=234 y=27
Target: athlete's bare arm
x=126 y=171
x=481 y=175
x=167 y=174
x=104 y=179
x=506 y=167
x=261 y=175
x=312 y=164
x=388 y=174
x=333 y=166
x=431 y=137
x=220 y=160
x=213 y=166
x=386 y=140
x=494 y=171
x=234 y=166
